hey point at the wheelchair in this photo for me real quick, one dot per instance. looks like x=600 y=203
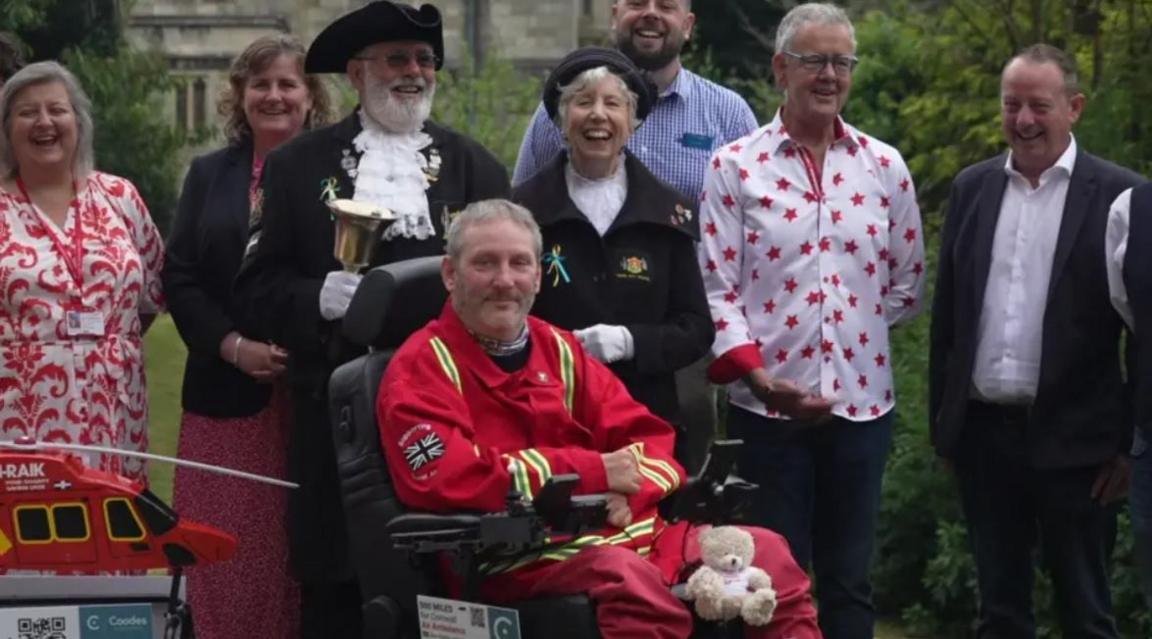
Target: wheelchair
x=396 y=554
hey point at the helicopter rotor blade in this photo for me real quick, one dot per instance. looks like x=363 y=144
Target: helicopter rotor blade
x=131 y=453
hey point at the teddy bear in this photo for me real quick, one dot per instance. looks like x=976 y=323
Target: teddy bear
x=727 y=585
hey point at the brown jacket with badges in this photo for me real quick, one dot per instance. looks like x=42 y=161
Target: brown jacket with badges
x=278 y=291
x=643 y=274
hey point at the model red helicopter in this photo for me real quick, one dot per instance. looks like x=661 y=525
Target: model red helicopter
x=56 y=514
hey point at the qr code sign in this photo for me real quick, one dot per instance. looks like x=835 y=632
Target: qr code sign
x=41 y=628
x=478 y=614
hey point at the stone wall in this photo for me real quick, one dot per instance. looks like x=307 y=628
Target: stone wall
x=201 y=37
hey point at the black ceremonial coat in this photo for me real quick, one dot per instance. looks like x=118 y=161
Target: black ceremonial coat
x=643 y=274
x=278 y=288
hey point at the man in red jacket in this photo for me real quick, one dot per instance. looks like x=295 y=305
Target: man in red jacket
x=486 y=399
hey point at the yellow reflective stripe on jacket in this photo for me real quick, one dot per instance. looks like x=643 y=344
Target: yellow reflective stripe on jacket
x=567 y=370
x=538 y=462
x=652 y=475
x=572 y=548
x=519 y=473
x=446 y=362
x=569 y=550
x=567 y=367
x=659 y=471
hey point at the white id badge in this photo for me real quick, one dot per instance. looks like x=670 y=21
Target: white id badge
x=84 y=322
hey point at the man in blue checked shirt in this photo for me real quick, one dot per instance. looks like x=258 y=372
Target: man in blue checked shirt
x=691 y=119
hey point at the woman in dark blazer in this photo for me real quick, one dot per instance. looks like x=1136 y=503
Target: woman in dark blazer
x=233 y=416
x=619 y=245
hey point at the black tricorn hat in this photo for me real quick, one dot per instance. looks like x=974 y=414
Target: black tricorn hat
x=586 y=58
x=379 y=21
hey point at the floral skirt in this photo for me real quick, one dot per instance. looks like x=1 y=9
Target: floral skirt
x=252 y=594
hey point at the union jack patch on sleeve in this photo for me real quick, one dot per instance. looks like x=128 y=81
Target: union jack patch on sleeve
x=424 y=451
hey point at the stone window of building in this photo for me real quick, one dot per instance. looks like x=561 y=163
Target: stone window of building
x=199 y=103
x=182 y=107
x=192 y=103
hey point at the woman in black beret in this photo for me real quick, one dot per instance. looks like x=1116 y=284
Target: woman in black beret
x=619 y=244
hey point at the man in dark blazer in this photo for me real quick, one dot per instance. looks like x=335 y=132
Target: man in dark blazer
x=1027 y=398
x=295 y=293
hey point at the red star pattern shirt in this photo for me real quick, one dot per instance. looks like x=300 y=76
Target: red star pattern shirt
x=806 y=267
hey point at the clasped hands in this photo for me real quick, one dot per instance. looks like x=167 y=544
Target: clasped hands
x=787 y=398
x=261 y=361
x=623 y=474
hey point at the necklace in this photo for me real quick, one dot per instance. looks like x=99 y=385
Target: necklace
x=501 y=348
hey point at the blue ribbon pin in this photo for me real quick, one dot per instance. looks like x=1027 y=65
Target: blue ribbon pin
x=555 y=263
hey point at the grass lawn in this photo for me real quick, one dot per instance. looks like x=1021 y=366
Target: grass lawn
x=888 y=631
x=164 y=353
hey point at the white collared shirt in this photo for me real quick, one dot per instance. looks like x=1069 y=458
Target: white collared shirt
x=599 y=200
x=1115 y=250
x=1011 y=328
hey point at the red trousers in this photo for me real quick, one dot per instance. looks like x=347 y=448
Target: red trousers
x=632 y=593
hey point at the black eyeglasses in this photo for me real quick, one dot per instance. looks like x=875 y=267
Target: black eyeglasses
x=401 y=59
x=815 y=62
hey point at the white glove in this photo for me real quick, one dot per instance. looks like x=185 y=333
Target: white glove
x=337 y=292
x=606 y=343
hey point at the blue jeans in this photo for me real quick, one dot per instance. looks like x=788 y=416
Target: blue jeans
x=1141 y=510
x=1011 y=509
x=820 y=489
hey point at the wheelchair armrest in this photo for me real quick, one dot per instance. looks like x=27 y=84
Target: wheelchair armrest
x=427 y=533
x=429 y=523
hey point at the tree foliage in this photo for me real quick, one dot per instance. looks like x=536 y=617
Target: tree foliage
x=132 y=137
x=738 y=34
x=18 y=15
x=492 y=103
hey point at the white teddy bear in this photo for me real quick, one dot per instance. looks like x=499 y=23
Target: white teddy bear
x=728 y=585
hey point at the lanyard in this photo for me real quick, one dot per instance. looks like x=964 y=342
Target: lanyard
x=74 y=259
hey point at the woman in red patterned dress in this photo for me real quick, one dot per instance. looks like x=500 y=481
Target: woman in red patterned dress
x=79 y=277
x=233 y=416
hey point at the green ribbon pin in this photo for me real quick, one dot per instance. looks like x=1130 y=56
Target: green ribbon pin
x=328 y=189
x=555 y=263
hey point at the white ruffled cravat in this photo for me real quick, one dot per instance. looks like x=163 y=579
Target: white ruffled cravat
x=391 y=174
x=599 y=200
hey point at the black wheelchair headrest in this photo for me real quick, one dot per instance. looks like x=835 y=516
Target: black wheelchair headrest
x=395 y=300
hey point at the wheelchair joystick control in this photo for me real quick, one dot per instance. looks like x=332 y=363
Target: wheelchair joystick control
x=714 y=495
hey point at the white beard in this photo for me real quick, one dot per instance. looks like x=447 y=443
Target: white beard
x=397 y=115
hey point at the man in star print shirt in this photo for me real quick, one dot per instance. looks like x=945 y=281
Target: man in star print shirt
x=811 y=248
